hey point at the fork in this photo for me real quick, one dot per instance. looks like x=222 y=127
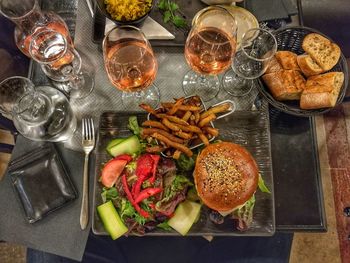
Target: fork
x=88 y=143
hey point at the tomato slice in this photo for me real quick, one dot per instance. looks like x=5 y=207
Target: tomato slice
x=111 y=171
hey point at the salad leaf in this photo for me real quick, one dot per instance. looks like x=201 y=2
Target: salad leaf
x=127 y=210
x=185 y=163
x=109 y=194
x=170 y=9
x=134 y=125
x=164 y=225
x=262 y=186
x=192 y=195
x=244 y=214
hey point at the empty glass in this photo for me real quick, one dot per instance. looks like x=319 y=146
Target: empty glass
x=39 y=113
x=131 y=65
x=257 y=47
x=61 y=62
x=209 y=49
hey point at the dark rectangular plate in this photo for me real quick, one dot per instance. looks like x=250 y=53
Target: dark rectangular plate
x=247 y=128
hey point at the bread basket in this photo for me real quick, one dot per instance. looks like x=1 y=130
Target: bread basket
x=291 y=38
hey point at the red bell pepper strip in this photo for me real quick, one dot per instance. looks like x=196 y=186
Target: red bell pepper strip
x=154 y=170
x=144 y=168
x=129 y=196
x=144 y=194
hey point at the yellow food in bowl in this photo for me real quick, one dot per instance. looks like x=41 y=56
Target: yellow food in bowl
x=127 y=10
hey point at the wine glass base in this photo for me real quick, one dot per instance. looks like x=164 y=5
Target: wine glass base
x=207 y=87
x=150 y=96
x=236 y=85
x=77 y=89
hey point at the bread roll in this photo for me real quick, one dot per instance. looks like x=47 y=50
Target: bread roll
x=226 y=176
x=285 y=84
x=322 y=50
x=308 y=66
x=287 y=59
x=273 y=65
x=322 y=91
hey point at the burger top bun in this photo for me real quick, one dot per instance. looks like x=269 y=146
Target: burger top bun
x=226 y=176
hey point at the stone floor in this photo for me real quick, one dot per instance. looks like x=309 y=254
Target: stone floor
x=333 y=136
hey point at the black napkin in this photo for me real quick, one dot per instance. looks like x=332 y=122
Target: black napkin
x=58 y=233
x=265 y=10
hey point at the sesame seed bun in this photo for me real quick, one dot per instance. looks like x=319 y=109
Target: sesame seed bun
x=226 y=176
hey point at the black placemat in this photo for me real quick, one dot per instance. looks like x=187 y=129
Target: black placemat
x=58 y=233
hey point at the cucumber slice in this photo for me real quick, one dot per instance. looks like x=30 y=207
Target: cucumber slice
x=185 y=215
x=114 y=142
x=129 y=145
x=111 y=220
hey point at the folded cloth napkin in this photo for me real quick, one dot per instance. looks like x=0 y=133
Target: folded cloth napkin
x=151 y=29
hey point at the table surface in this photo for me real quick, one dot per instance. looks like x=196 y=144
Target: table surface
x=297 y=183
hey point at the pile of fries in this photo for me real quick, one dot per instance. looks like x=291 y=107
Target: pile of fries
x=178 y=126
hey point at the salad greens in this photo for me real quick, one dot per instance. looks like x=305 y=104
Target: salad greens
x=244 y=214
x=262 y=186
x=185 y=163
x=109 y=194
x=134 y=125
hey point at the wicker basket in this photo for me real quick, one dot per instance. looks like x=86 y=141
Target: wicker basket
x=291 y=38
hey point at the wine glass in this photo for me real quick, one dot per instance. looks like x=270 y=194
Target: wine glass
x=131 y=65
x=61 y=62
x=29 y=19
x=209 y=49
x=257 y=47
x=40 y=113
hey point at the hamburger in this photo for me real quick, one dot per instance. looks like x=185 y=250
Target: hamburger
x=226 y=176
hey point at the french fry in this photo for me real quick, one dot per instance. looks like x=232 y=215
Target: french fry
x=189 y=128
x=155 y=149
x=216 y=109
x=206 y=120
x=172 y=144
x=150 y=131
x=148 y=108
x=187 y=116
x=172 y=118
x=176 y=106
x=184 y=135
x=182 y=107
x=176 y=154
x=197 y=117
x=212 y=131
x=203 y=138
x=170 y=125
x=155 y=124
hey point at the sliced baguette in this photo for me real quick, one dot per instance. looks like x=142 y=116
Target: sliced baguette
x=308 y=66
x=322 y=91
x=285 y=84
x=287 y=59
x=273 y=65
x=322 y=50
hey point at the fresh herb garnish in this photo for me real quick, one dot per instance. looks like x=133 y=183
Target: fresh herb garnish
x=169 y=10
x=134 y=125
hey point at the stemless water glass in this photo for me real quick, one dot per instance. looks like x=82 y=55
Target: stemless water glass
x=209 y=49
x=29 y=19
x=61 y=62
x=257 y=47
x=131 y=65
x=39 y=113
